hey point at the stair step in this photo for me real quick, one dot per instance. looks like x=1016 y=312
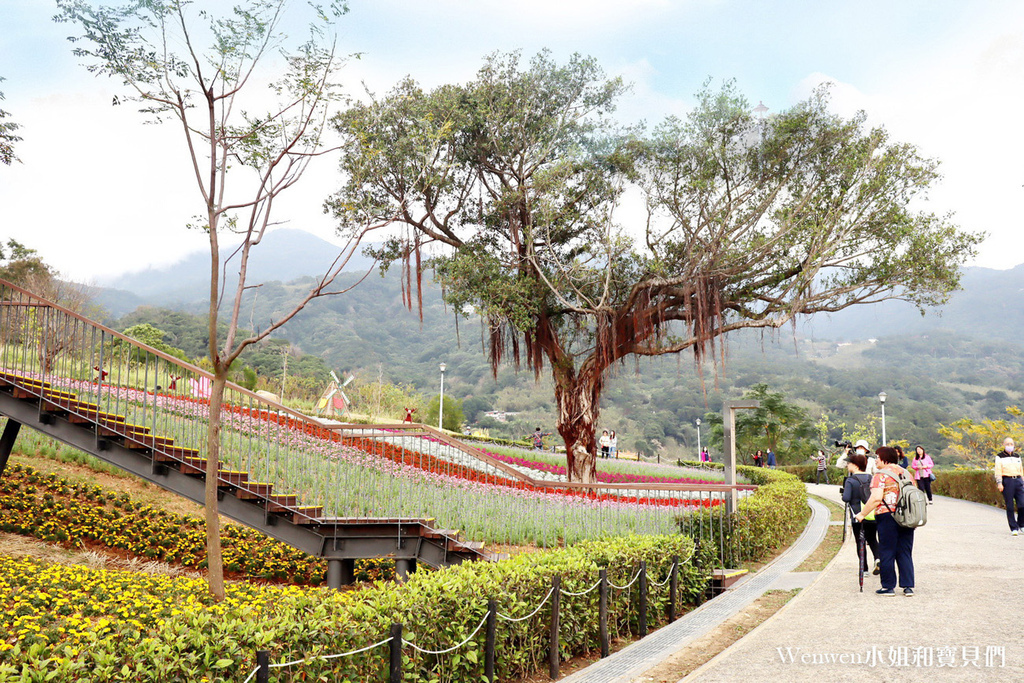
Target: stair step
x=281 y=502
x=92 y=416
x=252 y=490
x=147 y=441
x=438 y=533
x=193 y=466
x=473 y=546
x=232 y=477
x=175 y=453
x=310 y=512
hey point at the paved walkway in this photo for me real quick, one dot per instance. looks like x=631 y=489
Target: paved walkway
x=964 y=624
x=631 y=662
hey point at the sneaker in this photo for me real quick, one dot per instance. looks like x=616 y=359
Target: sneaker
x=885 y=592
x=909 y=592
x=1015 y=533
x=878 y=568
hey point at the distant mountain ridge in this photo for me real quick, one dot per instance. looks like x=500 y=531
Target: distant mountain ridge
x=989 y=305
x=283 y=255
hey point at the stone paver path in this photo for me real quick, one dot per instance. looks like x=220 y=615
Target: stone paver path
x=964 y=624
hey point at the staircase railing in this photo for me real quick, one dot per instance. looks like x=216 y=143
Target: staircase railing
x=335 y=471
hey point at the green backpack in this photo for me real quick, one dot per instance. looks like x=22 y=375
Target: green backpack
x=911 y=509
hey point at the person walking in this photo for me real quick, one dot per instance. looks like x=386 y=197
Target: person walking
x=903 y=461
x=854 y=495
x=613 y=445
x=921 y=466
x=1010 y=482
x=895 y=542
x=822 y=460
x=770 y=458
x=759 y=458
x=606 y=443
x=704 y=457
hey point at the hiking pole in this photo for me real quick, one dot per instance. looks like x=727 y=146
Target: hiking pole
x=846 y=515
x=862 y=556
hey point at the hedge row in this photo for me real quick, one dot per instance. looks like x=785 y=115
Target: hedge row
x=763 y=522
x=974 y=485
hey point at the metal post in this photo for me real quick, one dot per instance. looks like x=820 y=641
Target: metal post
x=10 y=435
x=333 y=573
x=395 y=669
x=729 y=409
x=603 y=613
x=491 y=642
x=556 y=603
x=643 y=598
x=440 y=409
x=262 y=666
x=673 y=589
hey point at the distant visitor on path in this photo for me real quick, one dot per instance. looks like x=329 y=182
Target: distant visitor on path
x=613 y=445
x=902 y=462
x=895 y=542
x=408 y=414
x=605 y=443
x=822 y=461
x=861 y=447
x=704 y=457
x=922 y=466
x=759 y=458
x=538 y=439
x=1010 y=482
x=770 y=458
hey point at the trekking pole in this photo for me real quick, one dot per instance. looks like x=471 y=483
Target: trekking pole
x=846 y=516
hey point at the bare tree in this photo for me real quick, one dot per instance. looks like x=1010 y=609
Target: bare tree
x=156 y=48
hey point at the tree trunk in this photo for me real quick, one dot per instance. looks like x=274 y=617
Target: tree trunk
x=578 y=399
x=214 y=558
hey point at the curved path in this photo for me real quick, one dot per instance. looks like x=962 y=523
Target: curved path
x=631 y=662
x=964 y=624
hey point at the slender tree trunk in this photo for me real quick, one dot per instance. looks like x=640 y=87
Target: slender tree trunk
x=214 y=558
x=578 y=400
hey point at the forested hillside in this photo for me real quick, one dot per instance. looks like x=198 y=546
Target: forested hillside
x=930 y=378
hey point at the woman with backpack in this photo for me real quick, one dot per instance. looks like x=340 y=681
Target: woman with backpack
x=922 y=469
x=856 y=492
x=895 y=542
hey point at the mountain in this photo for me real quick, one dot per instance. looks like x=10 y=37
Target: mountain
x=283 y=255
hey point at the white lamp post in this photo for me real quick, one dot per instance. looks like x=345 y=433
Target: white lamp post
x=698 y=438
x=440 y=411
x=881 y=399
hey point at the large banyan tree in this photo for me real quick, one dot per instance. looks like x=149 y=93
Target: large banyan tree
x=580 y=243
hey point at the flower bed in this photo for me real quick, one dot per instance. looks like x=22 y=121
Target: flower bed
x=73 y=623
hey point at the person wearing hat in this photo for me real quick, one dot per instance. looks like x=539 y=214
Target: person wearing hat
x=864 y=449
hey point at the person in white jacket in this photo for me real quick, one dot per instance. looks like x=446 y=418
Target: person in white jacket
x=864 y=449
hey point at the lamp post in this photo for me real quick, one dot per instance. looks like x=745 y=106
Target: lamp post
x=881 y=399
x=698 y=438
x=440 y=410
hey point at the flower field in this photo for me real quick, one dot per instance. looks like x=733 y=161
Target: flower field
x=72 y=623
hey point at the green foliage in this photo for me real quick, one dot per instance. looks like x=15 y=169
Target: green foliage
x=762 y=522
x=7 y=138
x=453 y=417
x=974 y=485
x=150 y=336
x=776 y=424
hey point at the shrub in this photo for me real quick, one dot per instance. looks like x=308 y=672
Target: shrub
x=968 y=484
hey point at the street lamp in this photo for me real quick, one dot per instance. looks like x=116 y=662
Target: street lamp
x=699 y=451
x=881 y=399
x=440 y=410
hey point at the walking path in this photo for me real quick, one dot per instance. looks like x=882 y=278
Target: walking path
x=963 y=624
x=633 y=661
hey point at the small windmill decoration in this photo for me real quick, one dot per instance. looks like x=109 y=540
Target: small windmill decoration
x=334 y=401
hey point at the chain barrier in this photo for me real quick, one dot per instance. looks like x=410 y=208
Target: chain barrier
x=506 y=618
x=451 y=649
x=320 y=657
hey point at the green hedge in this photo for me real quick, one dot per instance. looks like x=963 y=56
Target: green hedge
x=762 y=523
x=438 y=610
x=808 y=473
x=974 y=485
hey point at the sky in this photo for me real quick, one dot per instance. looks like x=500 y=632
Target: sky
x=99 y=191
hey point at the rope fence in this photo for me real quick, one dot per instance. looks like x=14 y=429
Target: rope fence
x=261 y=673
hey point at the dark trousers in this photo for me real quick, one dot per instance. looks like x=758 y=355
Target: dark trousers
x=896 y=548
x=1013 y=491
x=817 y=479
x=925 y=484
x=871 y=536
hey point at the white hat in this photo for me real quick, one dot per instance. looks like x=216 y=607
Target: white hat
x=862 y=444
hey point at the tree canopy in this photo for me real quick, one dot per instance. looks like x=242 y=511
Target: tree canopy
x=517 y=180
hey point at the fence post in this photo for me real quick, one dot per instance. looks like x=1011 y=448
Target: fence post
x=262 y=666
x=491 y=642
x=602 y=592
x=673 y=589
x=395 y=671
x=643 y=598
x=556 y=604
